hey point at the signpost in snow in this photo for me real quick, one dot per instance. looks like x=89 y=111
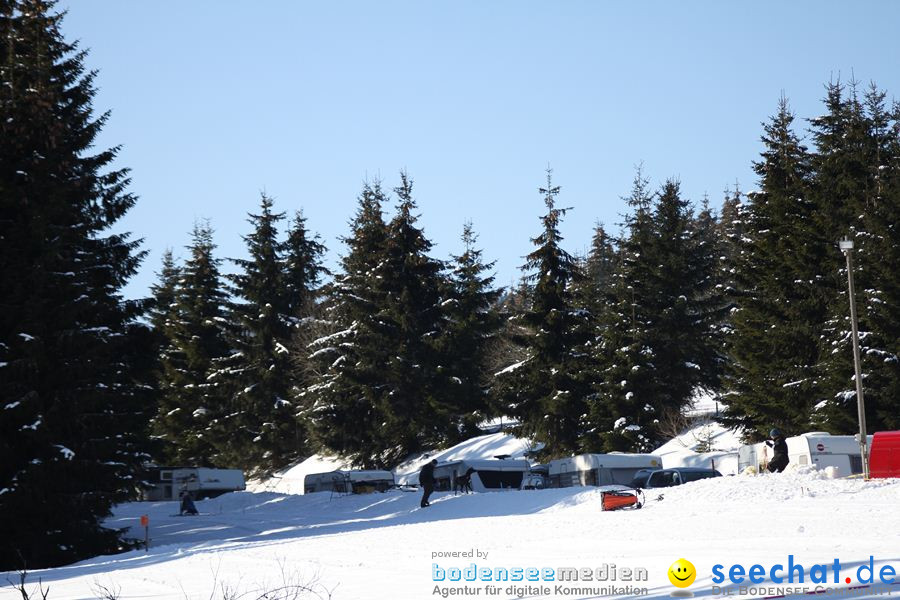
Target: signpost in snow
x=145 y=523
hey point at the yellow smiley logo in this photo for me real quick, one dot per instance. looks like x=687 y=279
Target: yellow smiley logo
x=682 y=573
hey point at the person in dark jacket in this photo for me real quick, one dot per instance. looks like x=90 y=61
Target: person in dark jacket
x=780 y=451
x=426 y=480
x=187 y=504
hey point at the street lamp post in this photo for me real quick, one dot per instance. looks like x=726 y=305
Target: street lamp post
x=846 y=247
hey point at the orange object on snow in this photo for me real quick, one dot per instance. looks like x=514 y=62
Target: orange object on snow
x=884 y=458
x=617 y=500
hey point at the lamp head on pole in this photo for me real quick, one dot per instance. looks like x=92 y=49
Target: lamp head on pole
x=845 y=245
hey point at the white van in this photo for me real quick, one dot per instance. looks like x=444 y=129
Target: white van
x=818 y=449
x=600 y=469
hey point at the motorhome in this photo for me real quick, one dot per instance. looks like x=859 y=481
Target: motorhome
x=488 y=475
x=168 y=483
x=817 y=449
x=348 y=482
x=600 y=469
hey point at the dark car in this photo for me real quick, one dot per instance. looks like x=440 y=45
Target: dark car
x=660 y=478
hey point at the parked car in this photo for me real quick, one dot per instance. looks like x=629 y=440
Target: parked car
x=659 y=478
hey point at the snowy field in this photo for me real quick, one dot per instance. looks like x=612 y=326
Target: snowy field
x=383 y=546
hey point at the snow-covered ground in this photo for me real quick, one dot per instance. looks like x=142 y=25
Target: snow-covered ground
x=383 y=546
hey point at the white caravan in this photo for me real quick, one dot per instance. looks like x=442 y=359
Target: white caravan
x=168 y=483
x=348 y=482
x=487 y=475
x=818 y=449
x=600 y=469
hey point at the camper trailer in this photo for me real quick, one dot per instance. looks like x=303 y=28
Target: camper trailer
x=816 y=449
x=600 y=469
x=489 y=475
x=348 y=482
x=168 y=483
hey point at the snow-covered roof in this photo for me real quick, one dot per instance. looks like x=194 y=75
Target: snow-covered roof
x=352 y=475
x=485 y=465
x=483 y=447
x=290 y=481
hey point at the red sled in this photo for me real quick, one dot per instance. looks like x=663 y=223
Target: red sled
x=619 y=500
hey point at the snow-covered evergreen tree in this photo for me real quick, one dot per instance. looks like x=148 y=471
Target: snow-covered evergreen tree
x=194 y=397
x=415 y=409
x=709 y=310
x=161 y=310
x=855 y=174
x=73 y=358
x=471 y=329
x=303 y=270
x=546 y=391
x=779 y=309
x=261 y=431
x=658 y=334
x=344 y=401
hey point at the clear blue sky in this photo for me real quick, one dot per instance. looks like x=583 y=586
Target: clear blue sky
x=215 y=101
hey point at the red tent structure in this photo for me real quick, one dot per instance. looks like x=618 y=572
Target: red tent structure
x=884 y=458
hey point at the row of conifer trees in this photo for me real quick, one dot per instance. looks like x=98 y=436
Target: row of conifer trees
x=399 y=351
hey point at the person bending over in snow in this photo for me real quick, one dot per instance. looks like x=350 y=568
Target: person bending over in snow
x=426 y=480
x=187 y=504
x=779 y=446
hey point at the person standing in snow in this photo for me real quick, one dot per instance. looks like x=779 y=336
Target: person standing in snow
x=426 y=480
x=780 y=451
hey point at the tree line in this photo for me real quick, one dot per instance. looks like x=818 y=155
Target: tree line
x=399 y=351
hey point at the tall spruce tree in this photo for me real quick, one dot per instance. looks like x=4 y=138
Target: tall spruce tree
x=545 y=392
x=594 y=298
x=731 y=228
x=72 y=356
x=626 y=410
x=343 y=403
x=883 y=294
x=261 y=431
x=303 y=270
x=709 y=310
x=415 y=408
x=600 y=265
x=779 y=309
x=161 y=310
x=194 y=399
x=687 y=303
x=855 y=159
x=473 y=322
x=657 y=344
